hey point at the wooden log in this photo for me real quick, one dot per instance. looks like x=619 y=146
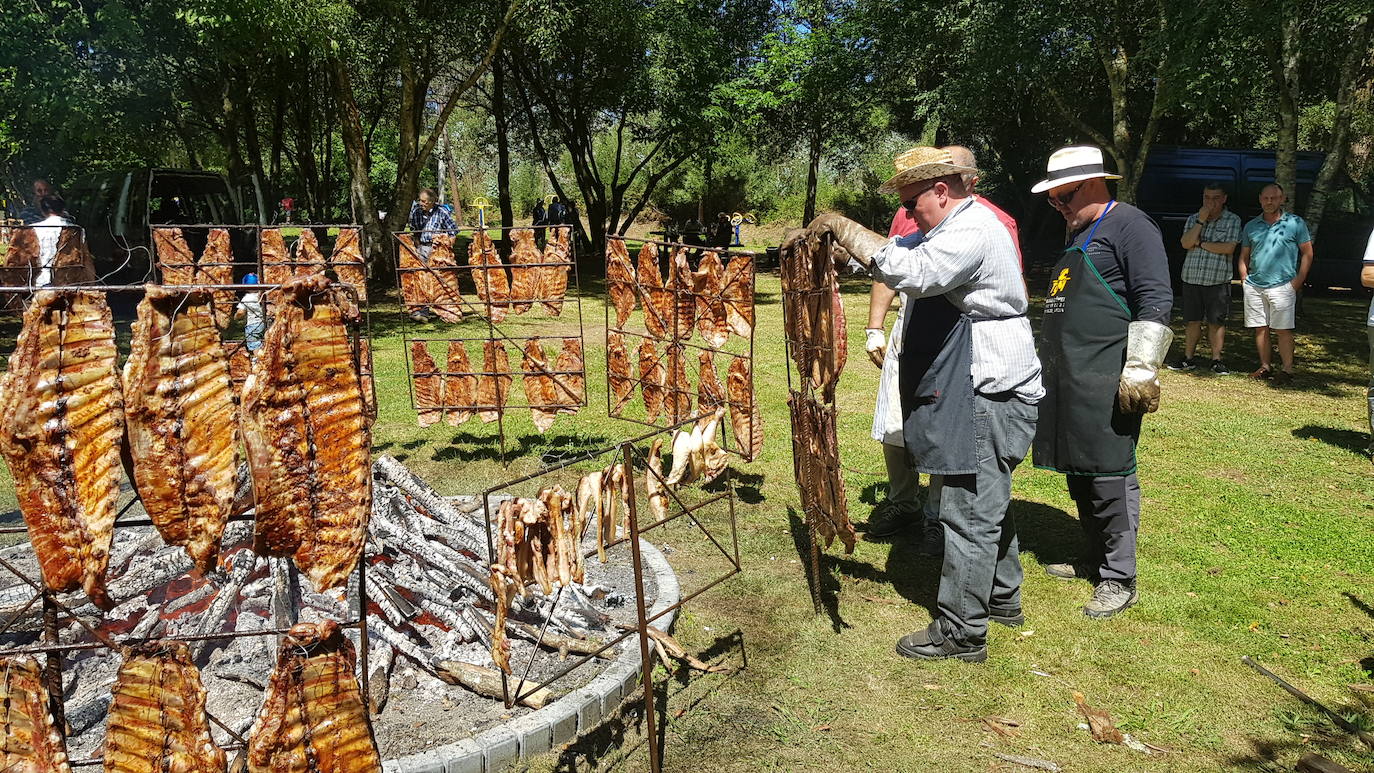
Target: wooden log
x=1315 y=763
x=487 y=682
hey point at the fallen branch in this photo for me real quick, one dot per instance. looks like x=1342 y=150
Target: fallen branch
x=1340 y=721
x=487 y=682
x=1029 y=762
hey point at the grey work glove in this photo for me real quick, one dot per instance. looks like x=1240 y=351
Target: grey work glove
x=857 y=242
x=1146 y=345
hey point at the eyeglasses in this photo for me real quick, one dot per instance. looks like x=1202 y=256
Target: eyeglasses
x=910 y=204
x=1063 y=200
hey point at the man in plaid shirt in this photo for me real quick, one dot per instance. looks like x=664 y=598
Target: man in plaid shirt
x=1210 y=236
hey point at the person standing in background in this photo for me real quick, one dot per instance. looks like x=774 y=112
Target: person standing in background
x=49 y=234
x=254 y=314
x=34 y=211
x=1210 y=236
x=1275 y=255
x=429 y=218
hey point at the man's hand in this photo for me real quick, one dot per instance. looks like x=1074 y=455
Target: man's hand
x=1146 y=345
x=875 y=343
x=1297 y=284
x=1202 y=215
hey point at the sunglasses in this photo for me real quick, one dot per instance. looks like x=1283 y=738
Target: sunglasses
x=1064 y=199
x=910 y=204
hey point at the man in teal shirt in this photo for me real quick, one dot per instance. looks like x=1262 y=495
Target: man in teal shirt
x=1275 y=255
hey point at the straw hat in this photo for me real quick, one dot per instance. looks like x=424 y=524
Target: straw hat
x=922 y=163
x=1071 y=164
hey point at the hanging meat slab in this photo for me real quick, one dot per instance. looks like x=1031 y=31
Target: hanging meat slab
x=182 y=420
x=570 y=381
x=446 y=301
x=709 y=280
x=620 y=280
x=349 y=267
x=657 y=301
x=364 y=366
x=73 y=264
x=745 y=419
x=651 y=379
x=539 y=389
x=309 y=258
x=157 y=720
x=618 y=372
x=20 y=258
x=654 y=485
x=489 y=275
x=417 y=283
x=505 y=577
x=308 y=436
x=710 y=392
x=30 y=741
x=681 y=283
x=428 y=384
x=798 y=291
x=175 y=260
x=240 y=361
x=553 y=279
x=738 y=294
x=819 y=477
x=493 y=386
x=313 y=718
x=678 y=390
x=63 y=426
x=216 y=267
x=276 y=260
x=460 y=386
x=524 y=274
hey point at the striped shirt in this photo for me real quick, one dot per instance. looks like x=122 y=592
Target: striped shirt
x=971 y=260
x=1203 y=267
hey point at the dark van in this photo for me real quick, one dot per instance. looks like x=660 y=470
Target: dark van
x=1171 y=189
x=117 y=208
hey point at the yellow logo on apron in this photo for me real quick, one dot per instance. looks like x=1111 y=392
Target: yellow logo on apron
x=1058 y=285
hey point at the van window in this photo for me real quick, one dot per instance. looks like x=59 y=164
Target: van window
x=182 y=199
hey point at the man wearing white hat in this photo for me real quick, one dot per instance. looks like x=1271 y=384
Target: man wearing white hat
x=969 y=382
x=1103 y=340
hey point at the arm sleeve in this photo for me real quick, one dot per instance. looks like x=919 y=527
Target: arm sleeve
x=1245 y=237
x=933 y=266
x=1303 y=235
x=1148 y=291
x=1369 y=251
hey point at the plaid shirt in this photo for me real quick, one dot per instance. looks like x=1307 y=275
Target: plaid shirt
x=1201 y=267
x=437 y=219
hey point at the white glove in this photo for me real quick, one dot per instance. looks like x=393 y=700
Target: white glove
x=875 y=343
x=1146 y=345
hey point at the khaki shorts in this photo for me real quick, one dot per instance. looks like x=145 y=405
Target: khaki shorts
x=1271 y=307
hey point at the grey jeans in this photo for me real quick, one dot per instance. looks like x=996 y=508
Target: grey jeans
x=982 y=567
x=903 y=482
x=1109 y=512
x=1370 y=394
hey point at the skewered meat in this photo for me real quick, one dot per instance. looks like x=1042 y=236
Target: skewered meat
x=308 y=437
x=817 y=470
x=416 y=280
x=157 y=718
x=240 y=361
x=174 y=257
x=738 y=294
x=73 y=263
x=794 y=264
x=618 y=372
x=539 y=389
x=651 y=379
x=446 y=300
x=615 y=491
x=460 y=385
x=713 y=457
x=63 y=425
x=587 y=504
x=570 y=383
x=427 y=386
x=489 y=275
x=216 y=267
x=654 y=485
x=553 y=280
x=814 y=314
x=504 y=574
x=349 y=267
x=745 y=418
x=657 y=301
x=30 y=741
x=20 y=259
x=364 y=367
x=309 y=258
x=182 y=421
x=524 y=279
x=710 y=393
x=710 y=308
x=683 y=288
x=678 y=391
x=685 y=445
x=620 y=280
x=493 y=386
x=276 y=266
x=313 y=718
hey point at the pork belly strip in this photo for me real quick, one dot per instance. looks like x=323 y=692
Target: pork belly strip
x=182 y=421
x=493 y=386
x=347 y=261
x=313 y=717
x=553 y=280
x=31 y=742
x=652 y=377
x=442 y=283
x=738 y=293
x=489 y=275
x=570 y=385
x=620 y=280
x=657 y=302
x=216 y=267
x=415 y=280
x=63 y=427
x=175 y=260
x=308 y=436
x=428 y=388
x=276 y=266
x=745 y=418
x=710 y=306
x=460 y=385
x=524 y=278
x=539 y=389
x=618 y=372
x=157 y=720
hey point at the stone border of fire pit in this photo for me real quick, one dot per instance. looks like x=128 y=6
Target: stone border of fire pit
x=580 y=711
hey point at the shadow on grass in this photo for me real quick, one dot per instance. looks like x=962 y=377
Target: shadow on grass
x=748 y=486
x=467 y=447
x=1312 y=733
x=1348 y=439
x=829 y=587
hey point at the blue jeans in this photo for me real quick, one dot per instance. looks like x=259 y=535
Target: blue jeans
x=252 y=336
x=1370 y=394
x=982 y=567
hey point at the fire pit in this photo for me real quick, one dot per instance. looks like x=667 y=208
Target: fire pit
x=428 y=605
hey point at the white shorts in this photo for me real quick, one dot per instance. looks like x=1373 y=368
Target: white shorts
x=1272 y=307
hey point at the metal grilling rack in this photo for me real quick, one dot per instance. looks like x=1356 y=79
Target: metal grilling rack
x=458 y=301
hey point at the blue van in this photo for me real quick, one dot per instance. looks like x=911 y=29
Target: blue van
x=1171 y=190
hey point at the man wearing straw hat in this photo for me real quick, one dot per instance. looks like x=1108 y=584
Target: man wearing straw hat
x=1105 y=335
x=969 y=382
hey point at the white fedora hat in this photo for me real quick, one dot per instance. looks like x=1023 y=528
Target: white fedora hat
x=1071 y=164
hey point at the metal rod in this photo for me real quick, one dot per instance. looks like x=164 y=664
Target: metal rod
x=1340 y=721
x=645 y=650
x=684 y=245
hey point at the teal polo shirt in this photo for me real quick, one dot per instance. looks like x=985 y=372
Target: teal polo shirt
x=1274 y=249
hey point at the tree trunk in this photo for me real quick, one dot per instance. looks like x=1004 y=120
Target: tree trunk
x=230 y=133
x=359 y=171
x=1283 y=66
x=502 y=117
x=813 y=166
x=1360 y=36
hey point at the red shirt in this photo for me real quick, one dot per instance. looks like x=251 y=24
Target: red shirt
x=903 y=224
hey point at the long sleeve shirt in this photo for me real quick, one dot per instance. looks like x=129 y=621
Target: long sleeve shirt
x=971 y=260
x=1128 y=252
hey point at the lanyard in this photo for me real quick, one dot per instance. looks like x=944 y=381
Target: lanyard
x=1096 y=223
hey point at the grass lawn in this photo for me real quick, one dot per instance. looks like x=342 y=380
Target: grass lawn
x=1257 y=538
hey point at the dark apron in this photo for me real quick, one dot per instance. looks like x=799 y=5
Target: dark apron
x=1081 y=430
x=935 y=381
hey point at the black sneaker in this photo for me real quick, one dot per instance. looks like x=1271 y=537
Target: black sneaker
x=1219 y=368
x=1282 y=378
x=1186 y=363
x=888 y=518
x=1011 y=618
x=932 y=540
x=919 y=646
